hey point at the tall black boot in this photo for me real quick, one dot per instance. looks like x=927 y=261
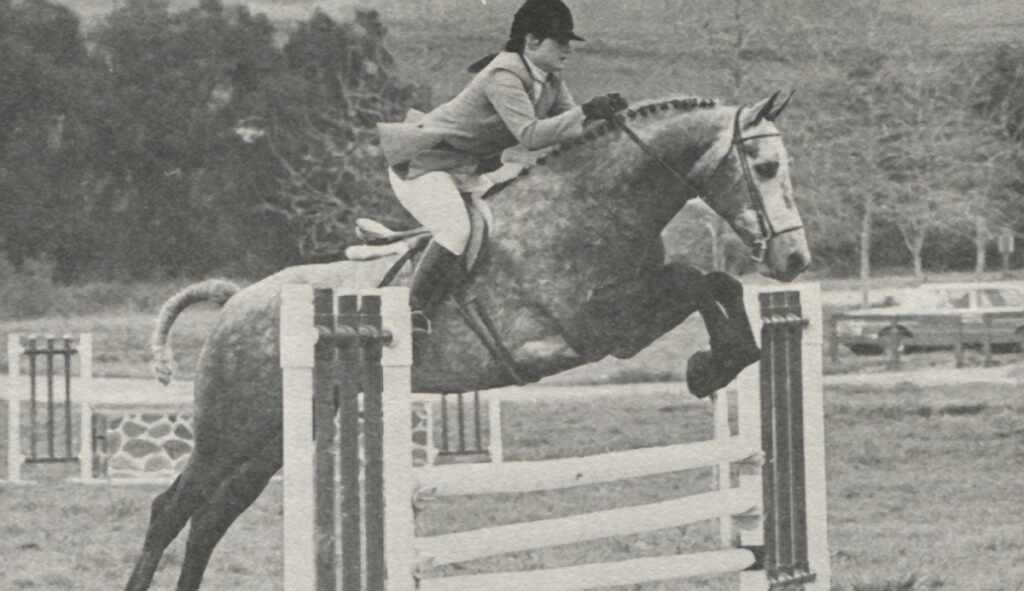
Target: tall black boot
x=437 y=274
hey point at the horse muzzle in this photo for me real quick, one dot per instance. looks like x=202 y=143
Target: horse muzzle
x=786 y=255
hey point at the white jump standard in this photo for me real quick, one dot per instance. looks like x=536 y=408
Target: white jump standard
x=355 y=365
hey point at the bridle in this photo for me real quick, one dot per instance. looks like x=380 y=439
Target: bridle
x=764 y=221
x=768 y=231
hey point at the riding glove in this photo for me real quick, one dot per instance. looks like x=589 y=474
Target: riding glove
x=604 y=107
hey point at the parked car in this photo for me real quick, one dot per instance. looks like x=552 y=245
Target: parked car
x=926 y=317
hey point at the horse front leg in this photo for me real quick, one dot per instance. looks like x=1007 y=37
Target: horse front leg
x=733 y=347
x=647 y=310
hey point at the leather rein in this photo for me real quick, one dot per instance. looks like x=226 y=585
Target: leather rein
x=768 y=231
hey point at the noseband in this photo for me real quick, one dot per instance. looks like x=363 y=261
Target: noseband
x=768 y=231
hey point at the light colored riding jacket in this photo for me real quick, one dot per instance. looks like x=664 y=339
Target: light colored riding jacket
x=503 y=106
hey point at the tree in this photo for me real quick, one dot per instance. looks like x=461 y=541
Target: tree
x=327 y=142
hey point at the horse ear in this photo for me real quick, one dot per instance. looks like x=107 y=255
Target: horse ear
x=778 y=110
x=762 y=109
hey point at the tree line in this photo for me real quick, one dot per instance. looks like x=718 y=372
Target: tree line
x=213 y=140
x=191 y=142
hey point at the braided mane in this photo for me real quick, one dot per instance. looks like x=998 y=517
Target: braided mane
x=639 y=112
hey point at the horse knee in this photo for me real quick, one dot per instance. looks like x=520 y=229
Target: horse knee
x=724 y=287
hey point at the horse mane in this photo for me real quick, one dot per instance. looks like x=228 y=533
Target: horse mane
x=639 y=112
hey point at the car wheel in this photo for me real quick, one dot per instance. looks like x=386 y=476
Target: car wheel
x=883 y=337
x=865 y=349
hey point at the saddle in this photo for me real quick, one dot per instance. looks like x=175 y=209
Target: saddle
x=380 y=241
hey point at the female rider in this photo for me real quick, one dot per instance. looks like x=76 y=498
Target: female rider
x=516 y=98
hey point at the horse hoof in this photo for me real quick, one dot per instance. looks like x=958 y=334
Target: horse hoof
x=705 y=375
x=700 y=374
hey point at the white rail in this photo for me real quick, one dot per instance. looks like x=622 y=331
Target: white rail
x=473 y=479
x=606 y=574
x=469 y=545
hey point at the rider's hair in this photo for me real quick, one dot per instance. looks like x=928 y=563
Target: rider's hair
x=516 y=44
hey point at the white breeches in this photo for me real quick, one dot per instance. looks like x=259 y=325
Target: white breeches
x=435 y=201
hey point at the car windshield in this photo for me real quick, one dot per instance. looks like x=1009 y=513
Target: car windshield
x=997 y=298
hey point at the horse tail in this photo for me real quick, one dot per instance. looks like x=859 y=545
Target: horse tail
x=217 y=291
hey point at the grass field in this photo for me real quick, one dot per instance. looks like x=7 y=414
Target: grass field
x=922 y=483
x=922 y=495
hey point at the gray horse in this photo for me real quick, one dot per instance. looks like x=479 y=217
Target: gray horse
x=573 y=272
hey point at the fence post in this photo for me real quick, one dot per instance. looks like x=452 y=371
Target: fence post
x=494 y=443
x=833 y=336
x=85 y=444
x=298 y=338
x=13 y=396
x=723 y=476
x=814 y=439
x=958 y=344
x=748 y=419
x=399 y=519
x=893 y=339
x=987 y=342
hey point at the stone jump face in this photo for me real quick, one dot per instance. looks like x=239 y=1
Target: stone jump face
x=153 y=444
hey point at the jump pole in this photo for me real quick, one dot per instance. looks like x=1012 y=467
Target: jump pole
x=811 y=383
x=298 y=341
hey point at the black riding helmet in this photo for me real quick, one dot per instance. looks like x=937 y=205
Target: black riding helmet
x=542 y=18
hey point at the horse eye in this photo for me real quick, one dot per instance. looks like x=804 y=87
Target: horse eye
x=767 y=169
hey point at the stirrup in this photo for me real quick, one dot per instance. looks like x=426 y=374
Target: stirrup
x=421 y=323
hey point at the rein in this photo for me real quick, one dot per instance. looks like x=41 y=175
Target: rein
x=621 y=124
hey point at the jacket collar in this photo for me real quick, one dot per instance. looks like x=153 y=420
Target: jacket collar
x=536 y=72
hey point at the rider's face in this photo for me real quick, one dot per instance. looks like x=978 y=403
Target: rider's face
x=549 y=54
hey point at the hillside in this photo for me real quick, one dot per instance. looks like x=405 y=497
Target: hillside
x=886 y=110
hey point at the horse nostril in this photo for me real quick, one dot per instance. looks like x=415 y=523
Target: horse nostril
x=796 y=263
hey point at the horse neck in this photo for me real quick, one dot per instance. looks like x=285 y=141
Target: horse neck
x=613 y=172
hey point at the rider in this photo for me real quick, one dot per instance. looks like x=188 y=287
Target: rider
x=516 y=98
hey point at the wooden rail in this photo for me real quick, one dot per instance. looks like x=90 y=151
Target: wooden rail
x=893 y=341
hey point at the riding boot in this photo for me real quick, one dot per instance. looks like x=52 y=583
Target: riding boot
x=438 y=273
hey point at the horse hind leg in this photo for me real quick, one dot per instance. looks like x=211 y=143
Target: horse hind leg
x=235 y=494
x=170 y=512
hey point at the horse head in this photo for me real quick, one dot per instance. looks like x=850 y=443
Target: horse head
x=745 y=180
x=733 y=158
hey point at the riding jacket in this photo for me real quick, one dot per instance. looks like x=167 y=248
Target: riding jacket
x=508 y=103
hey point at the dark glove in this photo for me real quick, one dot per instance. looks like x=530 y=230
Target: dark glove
x=604 y=107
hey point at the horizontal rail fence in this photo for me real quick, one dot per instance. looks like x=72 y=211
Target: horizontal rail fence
x=894 y=338
x=772 y=522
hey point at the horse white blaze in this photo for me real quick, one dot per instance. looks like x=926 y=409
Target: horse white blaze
x=786 y=253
